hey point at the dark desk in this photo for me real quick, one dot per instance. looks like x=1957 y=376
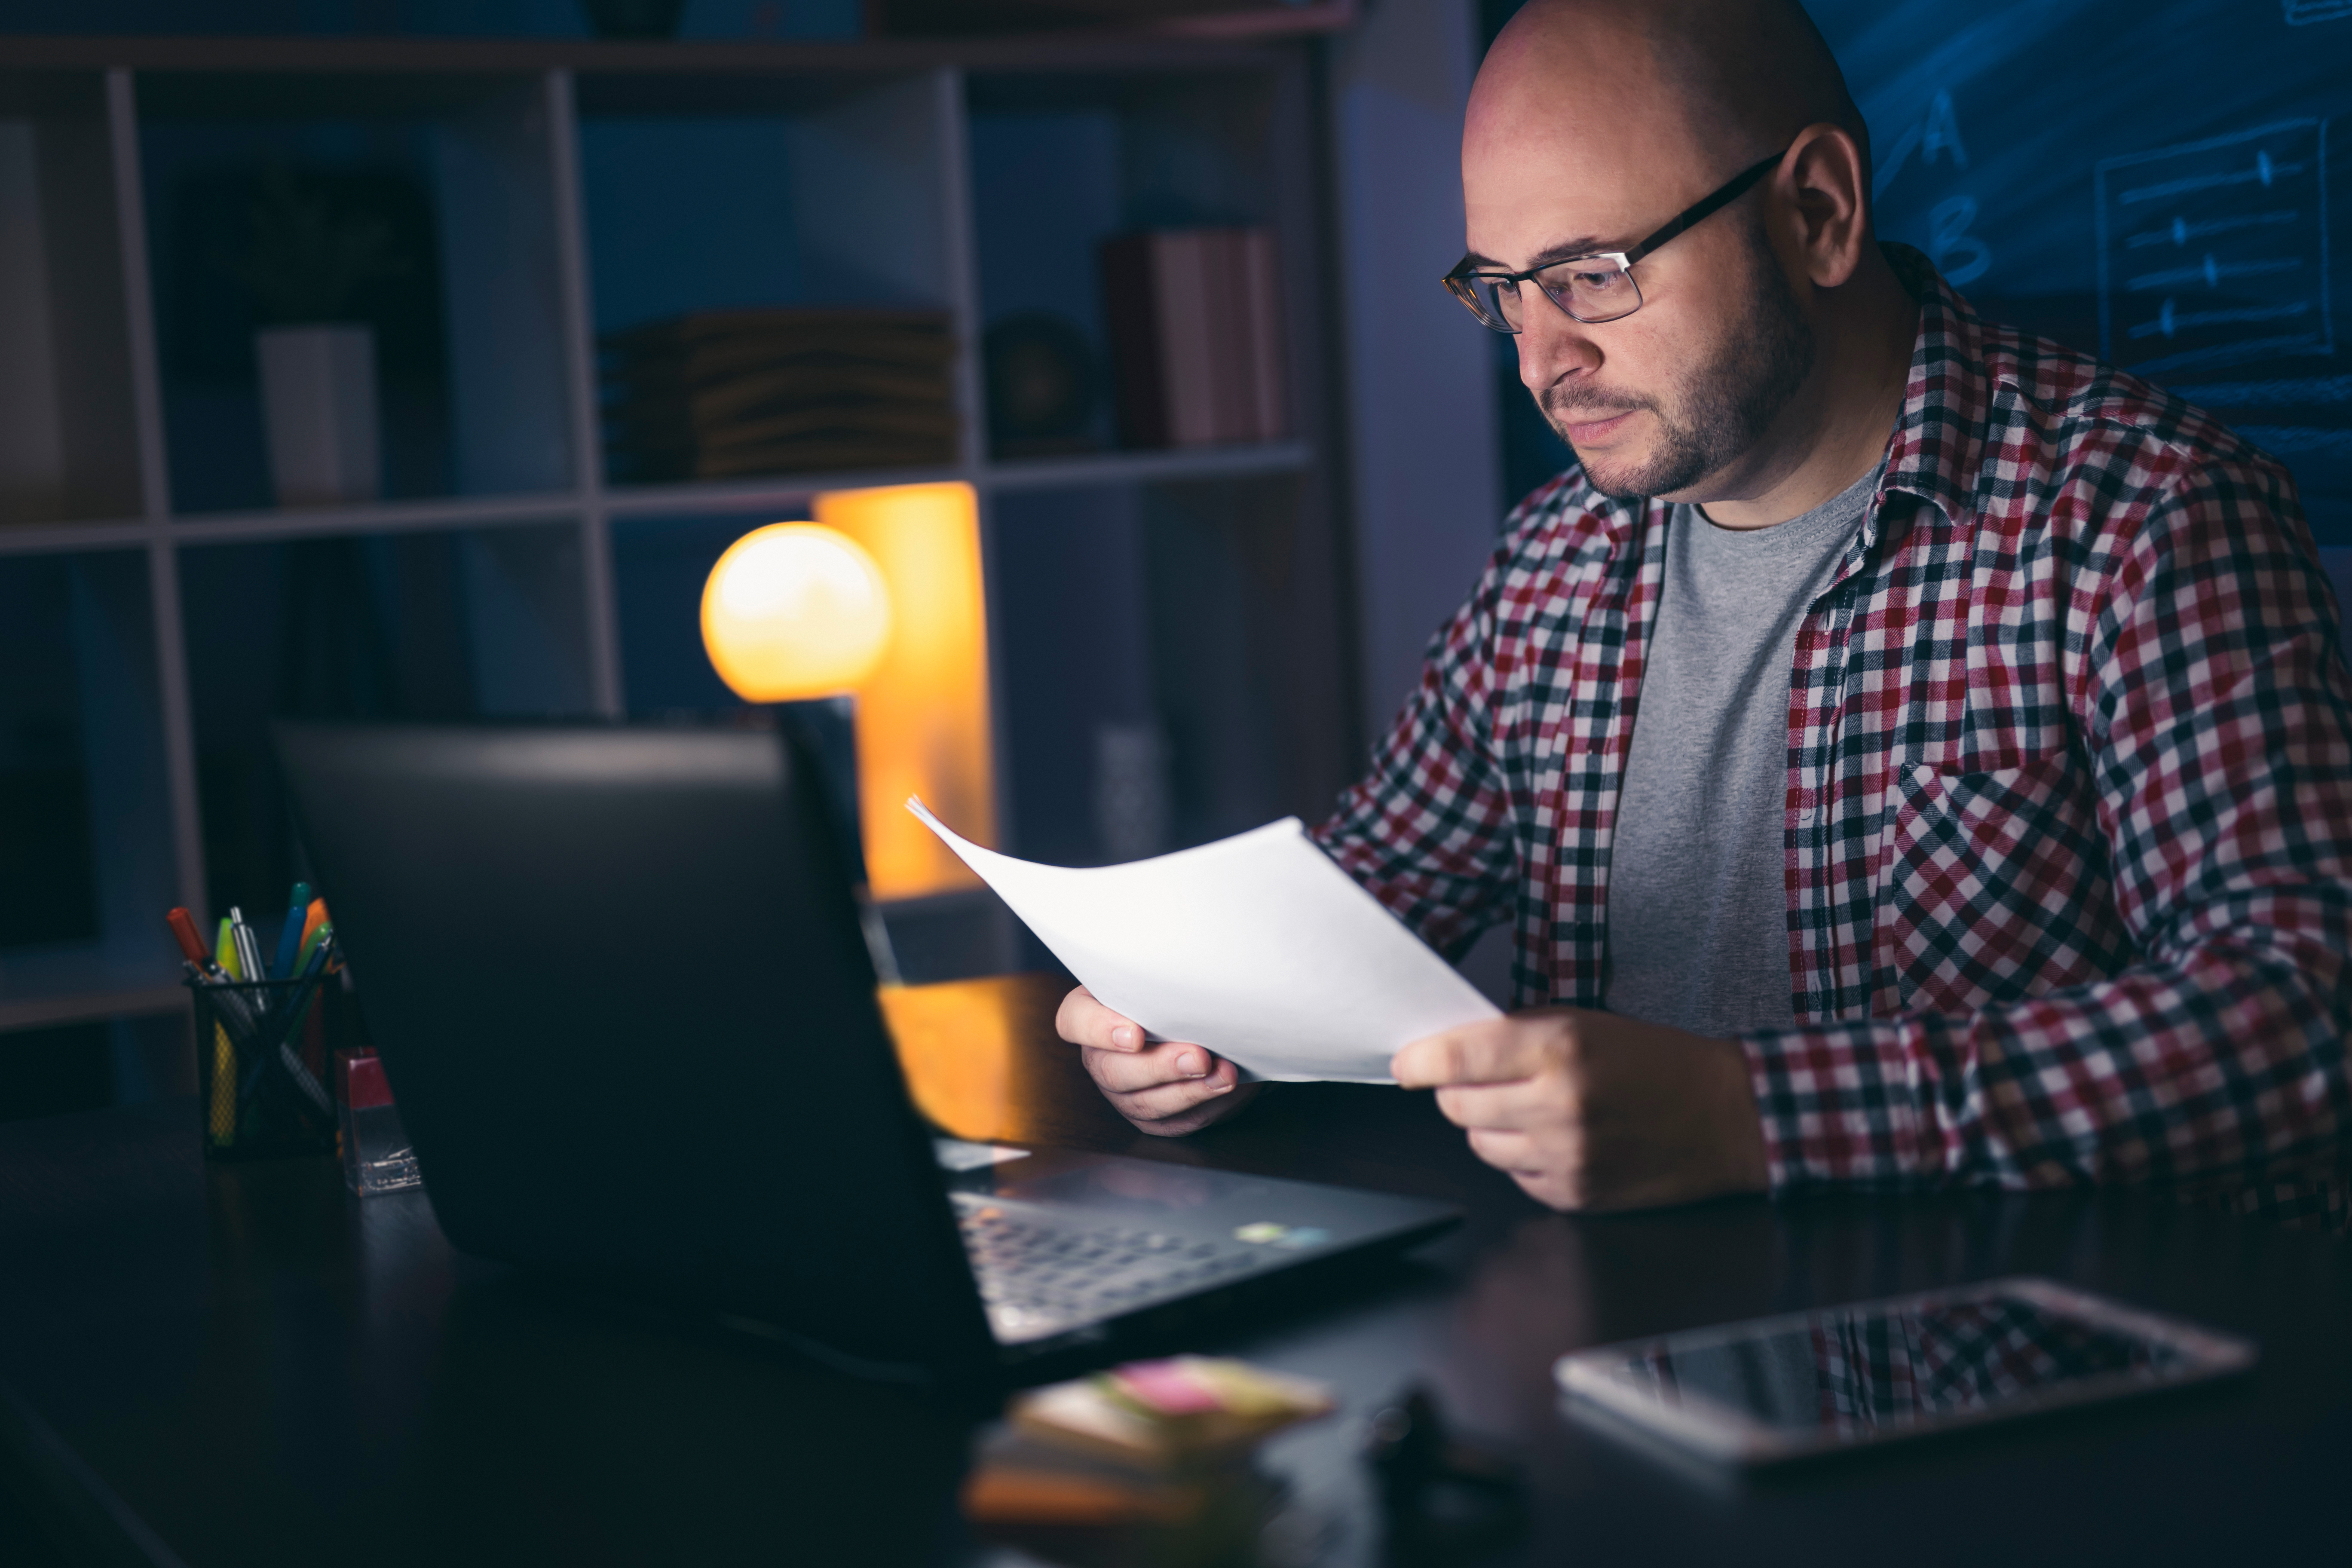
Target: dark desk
x=242 y=1366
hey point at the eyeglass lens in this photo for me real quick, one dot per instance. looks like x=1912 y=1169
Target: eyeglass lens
x=1591 y=289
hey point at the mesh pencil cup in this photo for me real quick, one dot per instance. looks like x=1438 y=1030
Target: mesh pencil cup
x=264 y=1050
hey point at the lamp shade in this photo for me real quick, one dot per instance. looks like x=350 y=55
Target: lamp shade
x=795 y=611
x=923 y=724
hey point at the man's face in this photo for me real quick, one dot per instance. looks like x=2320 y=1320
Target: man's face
x=1673 y=399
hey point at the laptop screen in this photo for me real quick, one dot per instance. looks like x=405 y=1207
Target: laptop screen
x=617 y=981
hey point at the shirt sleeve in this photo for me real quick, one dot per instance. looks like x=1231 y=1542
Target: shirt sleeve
x=2214 y=709
x=1428 y=831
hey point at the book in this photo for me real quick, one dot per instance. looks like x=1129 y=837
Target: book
x=1195 y=328
x=1262 y=297
x=1137 y=380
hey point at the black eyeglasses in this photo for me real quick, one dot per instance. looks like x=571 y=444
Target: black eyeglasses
x=1592 y=289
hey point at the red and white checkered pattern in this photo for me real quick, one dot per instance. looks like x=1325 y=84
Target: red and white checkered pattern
x=2069 y=814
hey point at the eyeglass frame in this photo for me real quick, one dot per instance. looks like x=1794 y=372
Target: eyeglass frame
x=1690 y=216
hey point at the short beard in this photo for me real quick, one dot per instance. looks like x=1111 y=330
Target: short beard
x=1728 y=403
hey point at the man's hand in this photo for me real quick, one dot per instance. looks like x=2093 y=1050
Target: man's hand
x=1590 y=1111
x=1167 y=1089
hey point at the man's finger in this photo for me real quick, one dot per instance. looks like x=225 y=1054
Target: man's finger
x=1518 y=1105
x=1175 y=1098
x=1498 y=1050
x=1514 y=1152
x=1124 y=1072
x=1083 y=1021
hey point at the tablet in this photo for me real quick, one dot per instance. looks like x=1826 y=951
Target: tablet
x=1792 y=1387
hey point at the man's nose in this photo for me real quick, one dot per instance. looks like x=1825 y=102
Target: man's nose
x=1552 y=344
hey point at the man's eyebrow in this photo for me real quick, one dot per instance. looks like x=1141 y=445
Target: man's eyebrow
x=1587 y=245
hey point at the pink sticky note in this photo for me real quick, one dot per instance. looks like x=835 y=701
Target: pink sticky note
x=1169 y=1387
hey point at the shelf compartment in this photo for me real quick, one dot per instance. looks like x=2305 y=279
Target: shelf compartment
x=87 y=860
x=659 y=567
x=778 y=209
x=1076 y=681
x=1061 y=164
x=1182 y=617
x=454 y=177
x=477 y=623
x=69 y=448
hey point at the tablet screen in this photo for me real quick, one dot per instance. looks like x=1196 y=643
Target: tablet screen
x=1834 y=1377
x=1870 y=1368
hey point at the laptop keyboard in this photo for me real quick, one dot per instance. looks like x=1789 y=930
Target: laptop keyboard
x=1038 y=1278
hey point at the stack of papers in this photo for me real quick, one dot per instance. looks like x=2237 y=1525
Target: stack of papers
x=1256 y=946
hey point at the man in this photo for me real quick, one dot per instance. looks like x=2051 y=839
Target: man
x=1909 y=752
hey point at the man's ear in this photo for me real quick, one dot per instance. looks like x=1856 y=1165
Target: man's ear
x=1821 y=195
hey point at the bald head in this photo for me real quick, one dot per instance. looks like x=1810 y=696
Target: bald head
x=1770 y=338
x=1724 y=81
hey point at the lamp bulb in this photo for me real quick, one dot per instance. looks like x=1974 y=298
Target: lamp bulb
x=795 y=611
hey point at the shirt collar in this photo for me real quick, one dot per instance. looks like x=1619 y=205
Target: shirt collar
x=1940 y=432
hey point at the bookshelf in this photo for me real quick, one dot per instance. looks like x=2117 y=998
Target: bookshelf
x=575 y=187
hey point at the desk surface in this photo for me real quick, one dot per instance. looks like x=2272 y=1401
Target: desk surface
x=240 y=1365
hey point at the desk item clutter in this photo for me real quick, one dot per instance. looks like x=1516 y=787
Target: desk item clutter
x=265 y=1033
x=1167 y=1414
x=377 y=1155
x=1152 y=1462
x=1256 y=946
x=1444 y=1499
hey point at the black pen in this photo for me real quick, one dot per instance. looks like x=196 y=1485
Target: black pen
x=231 y=1007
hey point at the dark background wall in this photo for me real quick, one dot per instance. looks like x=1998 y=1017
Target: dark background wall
x=2166 y=183
x=2071 y=165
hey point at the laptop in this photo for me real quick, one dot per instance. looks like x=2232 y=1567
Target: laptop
x=619 y=984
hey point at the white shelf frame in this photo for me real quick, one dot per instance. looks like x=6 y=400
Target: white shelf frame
x=715 y=498
x=588 y=504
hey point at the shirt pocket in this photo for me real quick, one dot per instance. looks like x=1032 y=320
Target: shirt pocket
x=1997 y=887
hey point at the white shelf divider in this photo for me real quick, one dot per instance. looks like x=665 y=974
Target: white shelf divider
x=972 y=408
x=695 y=498
x=587 y=428
x=962 y=265
x=89 y=1006
x=155 y=496
x=1146 y=467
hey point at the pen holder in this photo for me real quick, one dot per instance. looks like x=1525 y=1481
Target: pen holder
x=264 y=1055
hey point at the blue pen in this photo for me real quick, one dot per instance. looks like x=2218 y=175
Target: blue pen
x=290 y=938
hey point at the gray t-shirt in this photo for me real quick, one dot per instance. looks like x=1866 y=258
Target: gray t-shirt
x=1698 y=907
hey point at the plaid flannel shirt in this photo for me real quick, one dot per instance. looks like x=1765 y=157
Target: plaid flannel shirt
x=2068 y=830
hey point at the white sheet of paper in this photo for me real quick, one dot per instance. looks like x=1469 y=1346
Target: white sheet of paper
x=1256 y=946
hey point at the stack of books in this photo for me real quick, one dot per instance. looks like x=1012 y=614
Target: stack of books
x=1152 y=1462
x=721 y=393
x=1196 y=336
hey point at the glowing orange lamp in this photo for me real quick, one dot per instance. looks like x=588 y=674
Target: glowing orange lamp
x=880 y=598
x=793 y=611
